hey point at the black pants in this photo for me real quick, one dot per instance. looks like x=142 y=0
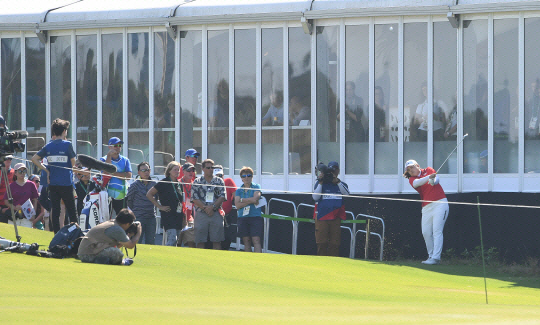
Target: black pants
x=58 y=193
x=118 y=205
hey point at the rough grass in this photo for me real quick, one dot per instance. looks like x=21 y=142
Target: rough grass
x=179 y=285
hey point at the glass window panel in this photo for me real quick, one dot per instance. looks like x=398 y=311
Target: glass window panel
x=163 y=101
x=138 y=104
x=218 y=97
x=11 y=82
x=357 y=99
x=112 y=58
x=244 y=99
x=532 y=95
x=35 y=96
x=475 y=97
x=327 y=94
x=61 y=78
x=86 y=94
x=272 y=101
x=191 y=92
x=386 y=98
x=299 y=101
x=505 y=95
x=444 y=94
x=415 y=99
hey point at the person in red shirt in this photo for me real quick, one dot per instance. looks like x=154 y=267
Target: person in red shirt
x=191 y=157
x=188 y=236
x=4 y=210
x=434 y=207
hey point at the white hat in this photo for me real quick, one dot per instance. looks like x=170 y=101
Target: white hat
x=410 y=163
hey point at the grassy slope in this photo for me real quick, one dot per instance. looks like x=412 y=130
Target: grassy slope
x=177 y=284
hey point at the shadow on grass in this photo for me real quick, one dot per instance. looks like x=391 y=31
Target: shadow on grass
x=530 y=281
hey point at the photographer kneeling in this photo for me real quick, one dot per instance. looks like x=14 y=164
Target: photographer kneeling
x=102 y=243
x=329 y=210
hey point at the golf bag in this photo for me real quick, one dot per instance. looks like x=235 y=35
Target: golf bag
x=96 y=205
x=66 y=241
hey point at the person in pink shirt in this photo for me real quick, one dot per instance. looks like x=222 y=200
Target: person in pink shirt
x=434 y=207
x=21 y=191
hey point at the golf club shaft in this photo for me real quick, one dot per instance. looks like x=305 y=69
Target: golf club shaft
x=452 y=152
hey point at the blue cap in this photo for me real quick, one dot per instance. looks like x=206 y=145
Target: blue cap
x=115 y=140
x=192 y=152
x=333 y=165
x=484 y=154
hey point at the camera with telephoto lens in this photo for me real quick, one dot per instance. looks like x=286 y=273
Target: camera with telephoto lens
x=133 y=229
x=8 y=143
x=324 y=174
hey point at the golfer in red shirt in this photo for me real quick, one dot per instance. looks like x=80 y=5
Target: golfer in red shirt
x=434 y=207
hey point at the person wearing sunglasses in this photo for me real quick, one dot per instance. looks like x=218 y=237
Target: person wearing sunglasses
x=141 y=206
x=208 y=193
x=191 y=157
x=226 y=208
x=250 y=221
x=4 y=210
x=22 y=190
x=116 y=188
x=187 y=236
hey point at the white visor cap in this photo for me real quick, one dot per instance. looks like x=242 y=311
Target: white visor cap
x=410 y=163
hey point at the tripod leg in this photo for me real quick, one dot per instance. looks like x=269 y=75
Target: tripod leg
x=10 y=199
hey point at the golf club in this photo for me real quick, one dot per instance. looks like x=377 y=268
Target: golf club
x=452 y=152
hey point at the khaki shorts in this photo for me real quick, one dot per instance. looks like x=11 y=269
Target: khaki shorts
x=188 y=235
x=205 y=225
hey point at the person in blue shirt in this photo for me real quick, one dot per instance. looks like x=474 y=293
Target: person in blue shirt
x=61 y=160
x=250 y=221
x=329 y=211
x=117 y=188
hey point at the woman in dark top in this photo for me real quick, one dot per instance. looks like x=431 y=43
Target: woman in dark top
x=170 y=196
x=83 y=187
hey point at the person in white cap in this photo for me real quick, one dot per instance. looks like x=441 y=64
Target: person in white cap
x=434 y=207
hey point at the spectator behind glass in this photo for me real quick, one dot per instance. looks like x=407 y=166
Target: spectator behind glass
x=22 y=191
x=141 y=206
x=298 y=111
x=274 y=115
x=250 y=221
x=10 y=172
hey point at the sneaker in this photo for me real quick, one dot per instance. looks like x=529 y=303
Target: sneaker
x=426 y=261
x=432 y=261
x=127 y=261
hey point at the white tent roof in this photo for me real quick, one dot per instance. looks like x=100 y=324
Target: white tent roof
x=71 y=14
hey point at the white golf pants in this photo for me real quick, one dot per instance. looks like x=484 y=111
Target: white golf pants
x=433 y=218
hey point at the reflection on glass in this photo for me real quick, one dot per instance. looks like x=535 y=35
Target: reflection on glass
x=532 y=95
x=415 y=95
x=11 y=82
x=328 y=94
x=272 y=100
x=299 y=101
x=35 y=96
x=218 y=97
x=61 y=78
x=357 y=99
x=112 y=56
x=244 y=99
x=191 y=92
x=138 y=93
x=163 y=101
x=475 y=97
x=444 y=94
x=505 y=95
x=86 y=94
x=385 y=97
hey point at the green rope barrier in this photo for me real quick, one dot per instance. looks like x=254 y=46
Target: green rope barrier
x=305 y=219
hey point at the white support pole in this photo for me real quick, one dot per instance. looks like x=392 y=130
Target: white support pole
x=313 y=101
x=151 y=62
x=231 y=102
x=285 y=107
x=125 y=99
x=430 y=141
x=23 y=85
x=204 y=113
x=521 y=101
x=490 y=102
x=48 y=113
x=258 y=105
x=74 y=90
x=400 y=105
x=371 y=108
x=341 y=90
x=459 y=79
x=177 y=140
x=99 y=140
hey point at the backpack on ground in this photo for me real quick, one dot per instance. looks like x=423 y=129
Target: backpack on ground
x=66 y=241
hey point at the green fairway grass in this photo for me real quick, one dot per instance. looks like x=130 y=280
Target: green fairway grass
x=183 y=285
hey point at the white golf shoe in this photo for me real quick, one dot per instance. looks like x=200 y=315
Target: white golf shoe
x=431 y=261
